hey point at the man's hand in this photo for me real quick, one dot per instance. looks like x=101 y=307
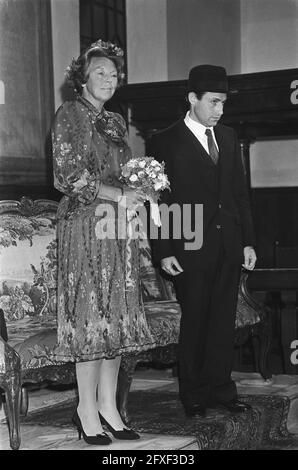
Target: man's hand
x=250 y=258
x=171 y=266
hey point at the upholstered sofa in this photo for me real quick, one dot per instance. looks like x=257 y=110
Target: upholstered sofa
x=28 y=269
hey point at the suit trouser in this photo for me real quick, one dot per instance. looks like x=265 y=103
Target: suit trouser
x=208 y=300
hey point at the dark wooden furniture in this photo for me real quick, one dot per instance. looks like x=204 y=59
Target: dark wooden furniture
x=10 y=382
x=281 y=285
x=260 y=105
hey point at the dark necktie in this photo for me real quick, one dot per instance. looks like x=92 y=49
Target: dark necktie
x=213 y=152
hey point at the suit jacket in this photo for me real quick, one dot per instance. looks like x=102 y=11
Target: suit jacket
x=195 y=179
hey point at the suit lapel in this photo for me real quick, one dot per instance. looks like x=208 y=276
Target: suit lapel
x=195 y=149
x=225 y=152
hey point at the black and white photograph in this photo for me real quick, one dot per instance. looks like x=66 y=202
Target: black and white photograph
x=149 y=228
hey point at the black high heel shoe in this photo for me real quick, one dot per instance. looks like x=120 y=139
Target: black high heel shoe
x=98 y=440
x=125 y=434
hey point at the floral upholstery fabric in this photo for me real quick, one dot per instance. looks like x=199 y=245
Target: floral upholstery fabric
x=28 y=270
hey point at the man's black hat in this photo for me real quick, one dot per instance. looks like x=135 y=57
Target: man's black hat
x=203 y=78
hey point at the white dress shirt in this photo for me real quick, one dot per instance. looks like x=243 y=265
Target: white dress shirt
x=199 y=131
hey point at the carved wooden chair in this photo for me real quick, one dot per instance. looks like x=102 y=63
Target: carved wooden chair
x=10 y=381
x=28 y=269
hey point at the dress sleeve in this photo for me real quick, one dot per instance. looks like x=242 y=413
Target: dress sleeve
x=72 y=163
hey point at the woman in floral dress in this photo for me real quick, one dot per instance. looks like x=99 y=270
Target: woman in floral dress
x=100 y=310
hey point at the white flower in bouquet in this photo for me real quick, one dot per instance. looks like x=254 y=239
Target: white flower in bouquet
x=158 y=186
x=131 y=163
x=126 y=172
x=133 y=178
x=146 y=174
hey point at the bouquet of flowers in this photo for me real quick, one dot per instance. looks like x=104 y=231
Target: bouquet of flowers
x=146 y=174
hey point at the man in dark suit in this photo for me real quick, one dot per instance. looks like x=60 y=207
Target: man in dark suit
x=203 y=163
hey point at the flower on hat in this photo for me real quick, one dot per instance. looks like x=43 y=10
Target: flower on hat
x=108 y=47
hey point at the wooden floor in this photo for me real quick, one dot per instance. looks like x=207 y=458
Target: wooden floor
x=49 y=438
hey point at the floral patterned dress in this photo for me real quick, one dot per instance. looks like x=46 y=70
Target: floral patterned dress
x=100 y=309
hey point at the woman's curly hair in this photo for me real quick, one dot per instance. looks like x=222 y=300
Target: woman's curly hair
x=76 y=72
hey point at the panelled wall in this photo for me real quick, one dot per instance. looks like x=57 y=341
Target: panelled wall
x=27 y=105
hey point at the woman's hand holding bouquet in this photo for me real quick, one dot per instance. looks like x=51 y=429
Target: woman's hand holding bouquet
x=147 y=178
x=132 y=198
